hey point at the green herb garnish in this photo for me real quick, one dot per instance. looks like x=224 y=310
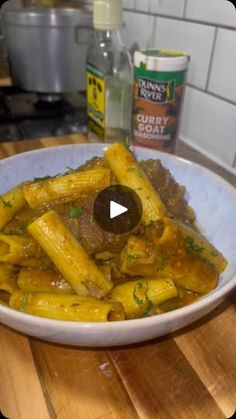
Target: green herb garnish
x=75 y=212
x=152 y=224
x=162 y=265
x=140 y=301
x=42 y=179
x=191 y=246
x=126 y=142
x=70 y=170
x=132 y=256
x=6 y=204
x=148 y=308
x=138 y=286
x=23 y=303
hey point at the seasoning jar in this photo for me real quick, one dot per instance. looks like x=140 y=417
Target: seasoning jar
x=159 y=81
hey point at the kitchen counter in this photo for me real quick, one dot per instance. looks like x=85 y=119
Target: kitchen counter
x=189 y=374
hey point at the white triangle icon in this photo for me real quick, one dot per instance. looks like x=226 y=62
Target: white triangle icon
x=116 y=209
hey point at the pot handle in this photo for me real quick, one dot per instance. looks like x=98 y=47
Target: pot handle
x=83 y=34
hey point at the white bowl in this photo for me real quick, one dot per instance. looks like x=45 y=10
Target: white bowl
x=214 y=201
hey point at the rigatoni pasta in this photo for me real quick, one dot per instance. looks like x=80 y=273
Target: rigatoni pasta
x=66 y=188
x=68 y=255
x=139 y=297
x=56 y=262
x=21 y=250
x=67 y=307
x=43 y=280
x=129 y=173
x=10 y=203
x=8 y=275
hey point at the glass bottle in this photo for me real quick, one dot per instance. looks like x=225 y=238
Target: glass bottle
x=109 y=76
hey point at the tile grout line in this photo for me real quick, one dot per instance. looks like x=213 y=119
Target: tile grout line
x=199 y=89
x=187 y=20
x=211 y=59
x=185 y=9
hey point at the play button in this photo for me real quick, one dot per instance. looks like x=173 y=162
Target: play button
x=117 y=209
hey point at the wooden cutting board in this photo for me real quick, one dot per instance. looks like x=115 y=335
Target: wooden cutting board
x=190 y=374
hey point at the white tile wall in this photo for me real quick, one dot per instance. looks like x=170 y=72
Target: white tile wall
x=128 y=4
x=168 y=7
x=143 y=5
x=223 y=74
x=209 y=124
x=212 y=11
x=195 y=39
x=139 y=30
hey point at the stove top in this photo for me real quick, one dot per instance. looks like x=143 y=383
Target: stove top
x=26 y=115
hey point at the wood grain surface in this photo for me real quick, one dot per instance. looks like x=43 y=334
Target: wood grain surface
x=189 y=374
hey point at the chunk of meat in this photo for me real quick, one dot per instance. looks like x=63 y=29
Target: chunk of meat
x=91 y=236
x=172 y=194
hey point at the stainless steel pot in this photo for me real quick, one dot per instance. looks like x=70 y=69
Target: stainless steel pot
x=47 y=48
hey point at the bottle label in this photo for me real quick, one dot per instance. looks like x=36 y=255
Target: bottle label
x=157 y=102
x=96 y=99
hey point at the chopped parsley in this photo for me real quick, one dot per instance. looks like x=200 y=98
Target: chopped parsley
x=70 y=170
x=191 y=247
x=162 y=265
x=139 y=301
x=23 y=303
x=132 y=256
x=75 y=212
x=152 y=224
x=126 y=142
x=148 y=308
x=138 y=286
x=94 y=159
x=6 y=204
x=42 y=179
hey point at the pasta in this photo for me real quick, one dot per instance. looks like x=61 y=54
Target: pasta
x=42 y=280
x=67 y=254
x=20 y=250
x=66 y=188
x=66 y=307
x=139 y=297
x=129 y=173
x=10 y=203
x=57 y=263
x=8 y=278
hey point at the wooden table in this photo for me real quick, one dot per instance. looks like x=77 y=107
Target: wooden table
x=189 y=374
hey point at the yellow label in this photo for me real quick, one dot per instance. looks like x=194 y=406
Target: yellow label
x=96 y=96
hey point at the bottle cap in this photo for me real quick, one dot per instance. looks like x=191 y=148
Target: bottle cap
x=107 y=14
x=162 y=60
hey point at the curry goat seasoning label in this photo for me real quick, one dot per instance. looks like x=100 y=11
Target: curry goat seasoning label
x=159 y=79
x=96 y=99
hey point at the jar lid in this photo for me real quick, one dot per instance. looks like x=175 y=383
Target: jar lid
x=107 y=14
x=162 y=60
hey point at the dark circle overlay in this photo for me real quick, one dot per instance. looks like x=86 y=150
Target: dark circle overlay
x=124 y=196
